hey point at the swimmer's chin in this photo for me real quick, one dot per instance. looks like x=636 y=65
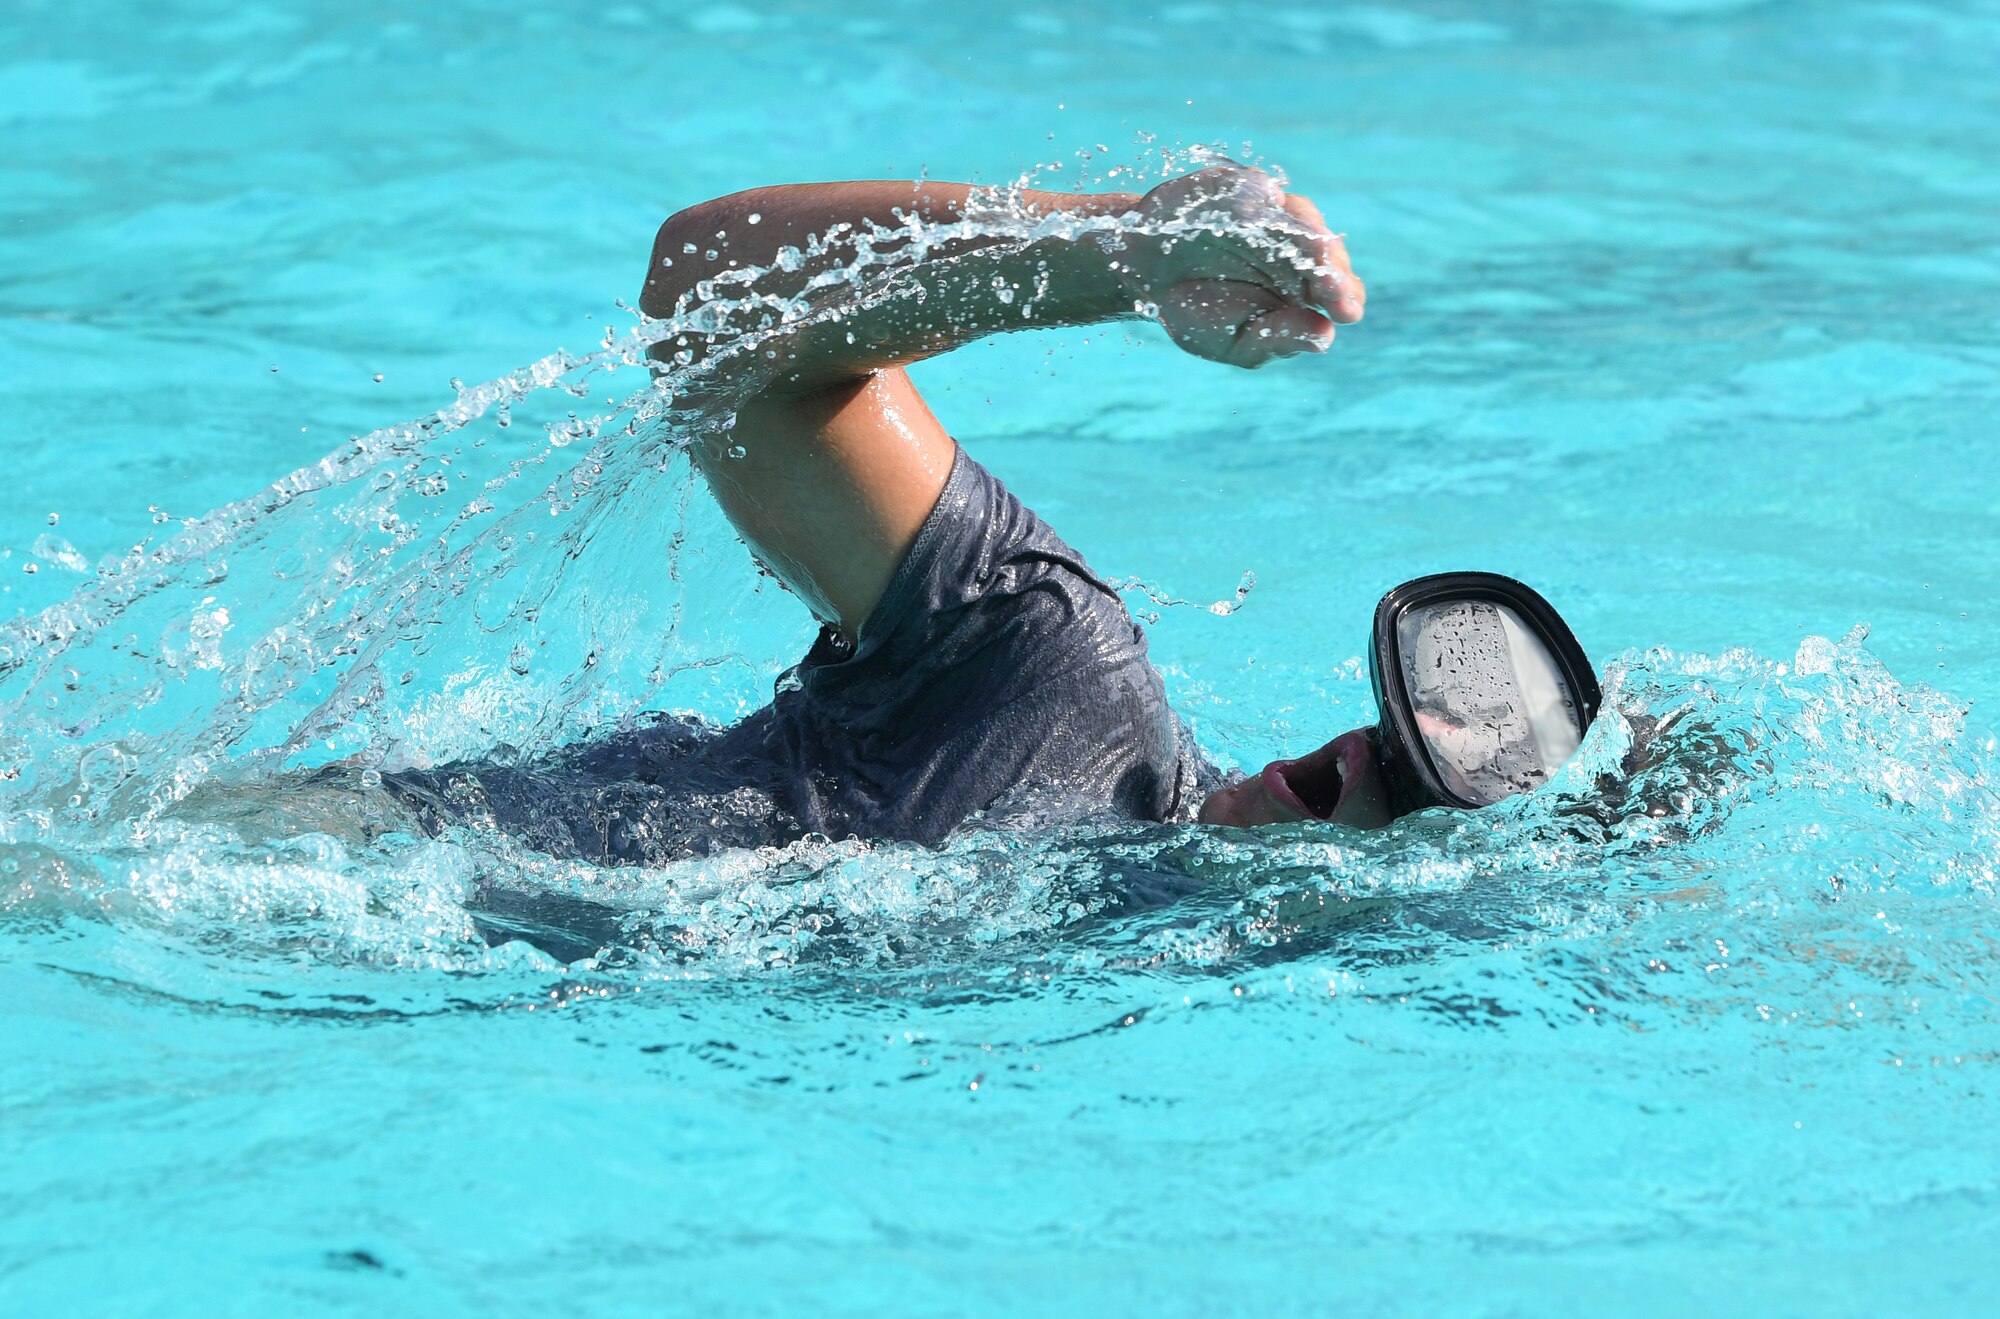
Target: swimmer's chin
x=1341 y=783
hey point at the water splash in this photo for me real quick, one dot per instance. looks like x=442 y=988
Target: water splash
x=1165 y=600
x=1726 y=813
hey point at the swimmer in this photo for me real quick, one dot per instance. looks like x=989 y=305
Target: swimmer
x=970 y=664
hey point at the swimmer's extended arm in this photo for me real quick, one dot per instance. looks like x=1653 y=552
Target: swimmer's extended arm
x=834 y=460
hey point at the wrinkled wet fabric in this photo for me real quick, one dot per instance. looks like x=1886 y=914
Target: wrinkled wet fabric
x=997 y=678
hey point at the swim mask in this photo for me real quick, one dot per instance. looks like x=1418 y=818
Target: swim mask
x=1483 y=690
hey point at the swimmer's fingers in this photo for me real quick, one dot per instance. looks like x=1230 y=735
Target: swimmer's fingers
x=1227 y=222
x=1286 y=330
x=1240 y=323
x=1255 y=233
x=1281 y=240
x=1331 y=284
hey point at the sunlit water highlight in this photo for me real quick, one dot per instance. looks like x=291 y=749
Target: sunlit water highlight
x=1710 y=1019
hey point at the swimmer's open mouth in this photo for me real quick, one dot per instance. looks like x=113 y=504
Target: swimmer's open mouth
x=1311 y=785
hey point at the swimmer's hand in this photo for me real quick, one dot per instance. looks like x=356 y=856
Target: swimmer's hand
x=1241 y=271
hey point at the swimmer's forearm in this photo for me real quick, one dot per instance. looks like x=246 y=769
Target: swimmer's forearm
x=954 y=289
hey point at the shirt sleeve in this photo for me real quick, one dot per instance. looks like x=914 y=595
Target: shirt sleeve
x=995 y=666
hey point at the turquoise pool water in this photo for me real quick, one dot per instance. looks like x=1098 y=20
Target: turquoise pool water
x=1687 y=312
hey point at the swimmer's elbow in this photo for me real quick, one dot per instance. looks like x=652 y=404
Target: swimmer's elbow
x=706 y=239
x=669 y=274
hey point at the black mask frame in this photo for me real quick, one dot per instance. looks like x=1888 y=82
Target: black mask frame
x=1413 y=778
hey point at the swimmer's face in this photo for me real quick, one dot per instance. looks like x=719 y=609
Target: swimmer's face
x=1340 y=783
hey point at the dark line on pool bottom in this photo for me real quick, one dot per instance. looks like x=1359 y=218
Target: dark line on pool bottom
x=1127 y=1020
x=358 y=1261
x=149 y=994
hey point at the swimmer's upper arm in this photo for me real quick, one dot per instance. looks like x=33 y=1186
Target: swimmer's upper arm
x=831 y=487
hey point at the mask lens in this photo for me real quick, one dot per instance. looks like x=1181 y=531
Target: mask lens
x=1489 y=697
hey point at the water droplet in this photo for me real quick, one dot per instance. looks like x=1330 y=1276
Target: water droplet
x=735 y=451
x=378 y=377
x=274 y=368
x=31 y=568
x=457 y=384
x=755 y=218
x=711 y=254
x=54 y=518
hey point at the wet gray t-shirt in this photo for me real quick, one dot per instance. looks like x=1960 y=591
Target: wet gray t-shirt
x=997 y=678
